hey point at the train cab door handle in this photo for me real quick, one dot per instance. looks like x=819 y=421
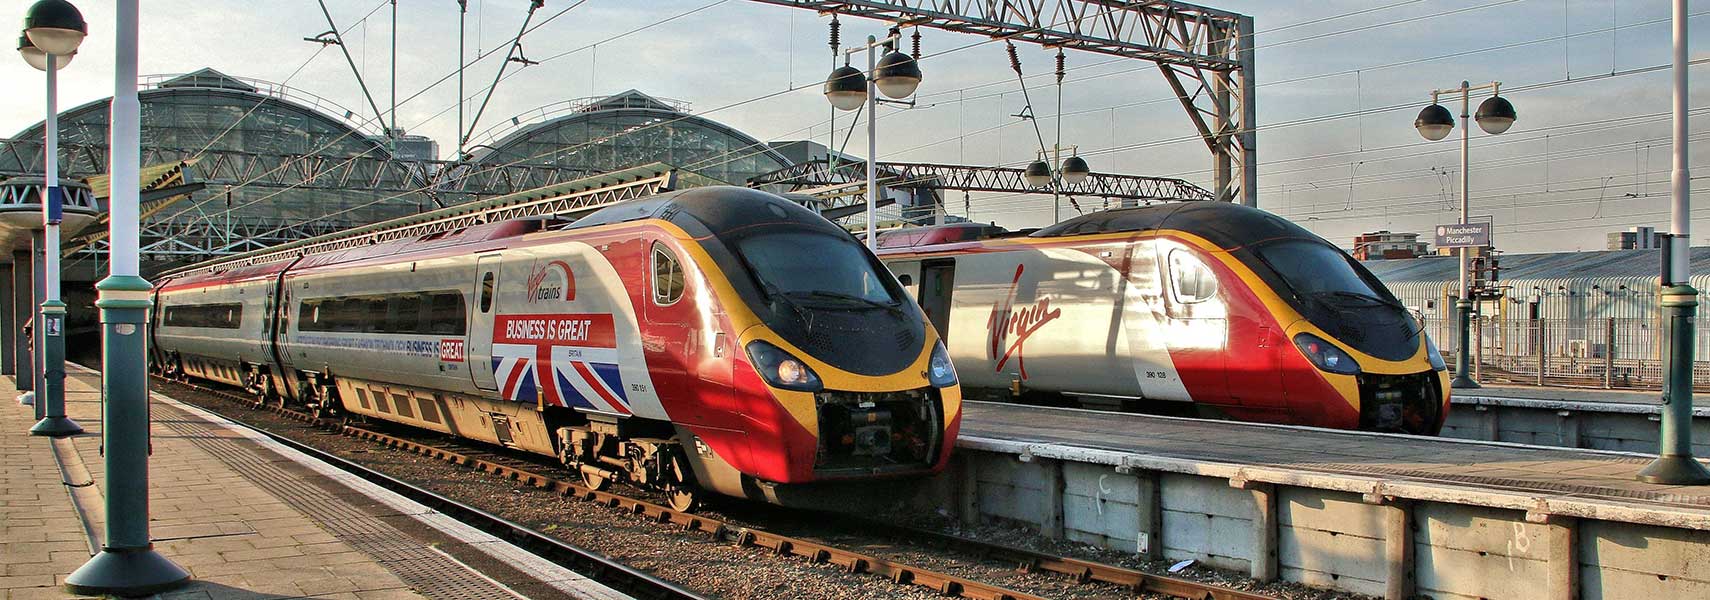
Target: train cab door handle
x=718 y=345
x=1264 y=336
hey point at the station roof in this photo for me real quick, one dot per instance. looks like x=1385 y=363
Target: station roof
x=1597 y=263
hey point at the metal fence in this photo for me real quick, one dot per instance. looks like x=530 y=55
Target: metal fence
x=1611 y=352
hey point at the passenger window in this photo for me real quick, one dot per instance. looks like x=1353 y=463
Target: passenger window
x=487 y=292
x=447 y=313
x=667 y=276
x=1191 y=280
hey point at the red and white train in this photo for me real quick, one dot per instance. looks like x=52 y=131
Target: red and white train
x=720 y=339
x=1208 y=306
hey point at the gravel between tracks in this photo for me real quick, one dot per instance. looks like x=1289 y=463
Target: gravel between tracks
x=721 y=569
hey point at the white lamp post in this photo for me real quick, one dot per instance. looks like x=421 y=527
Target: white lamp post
x=128 y=564
x=897 y=75
x=52 y=31
x=1495 y=115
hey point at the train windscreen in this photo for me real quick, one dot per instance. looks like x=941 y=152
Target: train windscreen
x=1312 y=268
x=815 y=266
x=1341 y=298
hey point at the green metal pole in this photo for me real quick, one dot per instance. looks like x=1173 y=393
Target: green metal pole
x=54 y=422
x=38 y=295
x=1674 y=464
x=128 y=564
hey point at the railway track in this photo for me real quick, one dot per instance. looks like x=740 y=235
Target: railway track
x=596 y=566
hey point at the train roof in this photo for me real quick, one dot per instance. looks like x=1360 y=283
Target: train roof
x=719 y=210
x=1226 y=224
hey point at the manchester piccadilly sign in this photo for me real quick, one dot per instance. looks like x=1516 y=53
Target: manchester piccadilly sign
x=1467 y=235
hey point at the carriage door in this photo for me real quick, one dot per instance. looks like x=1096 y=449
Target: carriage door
x=937 y=278
x=480 y=333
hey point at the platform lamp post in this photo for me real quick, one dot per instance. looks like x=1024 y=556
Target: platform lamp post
x=1674 y=464
x=128 y=564
x=53 y=29
x=1495 y=115
x=896 y=75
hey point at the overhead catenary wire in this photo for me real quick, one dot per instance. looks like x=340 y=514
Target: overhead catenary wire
x=605 y=138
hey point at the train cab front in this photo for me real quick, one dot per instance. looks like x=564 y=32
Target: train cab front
x=1361 y=360
x=842 y=382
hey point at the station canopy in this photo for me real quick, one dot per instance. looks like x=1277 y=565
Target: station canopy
x=625 y=130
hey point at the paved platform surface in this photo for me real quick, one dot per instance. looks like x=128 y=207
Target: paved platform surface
x=1534 y=470
x=244 y=520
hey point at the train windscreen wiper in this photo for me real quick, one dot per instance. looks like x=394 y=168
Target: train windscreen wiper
x=886 y=306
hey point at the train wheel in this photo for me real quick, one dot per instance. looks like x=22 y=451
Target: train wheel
x=683 y=499
x=681 y=492
x=325 y=406
x=594 y=478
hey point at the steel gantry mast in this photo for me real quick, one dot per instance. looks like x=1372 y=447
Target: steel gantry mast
x=1205 y=54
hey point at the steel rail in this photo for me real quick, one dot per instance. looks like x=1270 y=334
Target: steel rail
x=1082 y=571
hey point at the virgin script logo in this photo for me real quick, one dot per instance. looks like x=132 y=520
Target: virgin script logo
x=1008 y=328
x=543 y=285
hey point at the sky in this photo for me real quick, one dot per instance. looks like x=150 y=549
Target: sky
x=1339 y=83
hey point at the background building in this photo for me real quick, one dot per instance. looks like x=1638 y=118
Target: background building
x=1635 y=238
x=1384 y=244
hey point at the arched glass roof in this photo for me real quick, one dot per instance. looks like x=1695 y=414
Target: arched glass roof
x=193 y=110
x=208 y=110
x=631 y=129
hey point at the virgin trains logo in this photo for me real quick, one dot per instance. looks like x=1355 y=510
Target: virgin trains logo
x=1008 y=328
x=550 y=281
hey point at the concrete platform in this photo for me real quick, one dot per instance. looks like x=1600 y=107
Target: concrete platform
x=1621 y=420
x=246 y=516
x=1567 y=394
x=1391 y=516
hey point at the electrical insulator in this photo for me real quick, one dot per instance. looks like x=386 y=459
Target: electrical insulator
x=836 y=34
x=1014 y=60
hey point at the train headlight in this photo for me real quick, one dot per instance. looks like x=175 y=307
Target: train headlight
x=1431 y=354
x=939 y=370
x=1326 y=356
x=781 y=370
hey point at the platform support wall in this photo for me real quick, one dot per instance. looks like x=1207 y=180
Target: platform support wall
x=1569 y=425
x=1398 y=550
x=8 y=326
x=1492 y=422
x=1150 y=537
x=968 y=492
x=21 y=305
x=1563 y=557
x=1264 y=562
x=1051 y=498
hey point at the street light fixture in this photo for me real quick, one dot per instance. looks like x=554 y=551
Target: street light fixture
x=56 y=27
x=52 y=29
x=897 y=75
x=38 y=59
x=846 y=88
x=1075 y=170
x=1038 y=173
x=1495 y=115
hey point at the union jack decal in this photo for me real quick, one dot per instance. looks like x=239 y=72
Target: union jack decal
x=568 y=360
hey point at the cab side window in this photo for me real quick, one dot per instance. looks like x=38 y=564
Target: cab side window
x=487 y=292
x=1191 y=280
x=667 y=276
